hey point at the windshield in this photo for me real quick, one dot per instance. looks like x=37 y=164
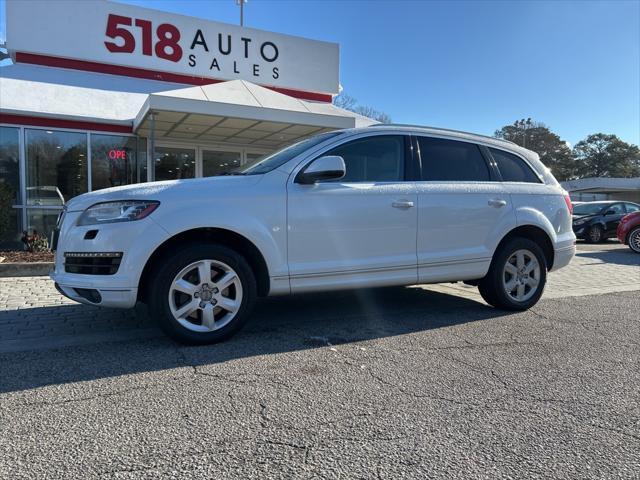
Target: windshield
x=279 y=158
x=588 y=208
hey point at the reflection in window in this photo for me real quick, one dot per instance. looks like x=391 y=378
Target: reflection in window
x=372 y=159
x=42 y=220
x=56 y=166
x=174 y=163
x=216 y=163
x=113 y=161
x=9 y=167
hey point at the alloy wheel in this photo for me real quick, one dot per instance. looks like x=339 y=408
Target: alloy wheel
x=521 y=275
x=634 y=240
x=205 y=295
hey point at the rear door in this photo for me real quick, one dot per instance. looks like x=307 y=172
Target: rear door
x=463 y=210
x=359 y=230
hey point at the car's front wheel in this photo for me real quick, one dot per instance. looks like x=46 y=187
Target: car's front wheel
x=595 y=234
x=517 y=276
x=202 y=294
x=634 y=240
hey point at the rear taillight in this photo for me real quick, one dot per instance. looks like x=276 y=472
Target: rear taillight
x=567 y=200
x=625 y=219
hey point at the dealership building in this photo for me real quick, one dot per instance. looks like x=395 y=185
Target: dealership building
x=102 y=94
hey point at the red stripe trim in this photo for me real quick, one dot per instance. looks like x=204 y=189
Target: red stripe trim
x=149 y=74
x=60 y=123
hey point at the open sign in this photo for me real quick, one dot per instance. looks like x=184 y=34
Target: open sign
x=117 y=154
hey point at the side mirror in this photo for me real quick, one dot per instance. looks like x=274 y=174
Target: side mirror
x=330 y=167
x=610 y=212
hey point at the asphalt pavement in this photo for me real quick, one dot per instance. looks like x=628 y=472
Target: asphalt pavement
x=393 y=383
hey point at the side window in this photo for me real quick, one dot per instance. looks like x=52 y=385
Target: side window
x=450 y=160
x=513 y=168
x=618 y=208
x=372 y=159
x=631 y=207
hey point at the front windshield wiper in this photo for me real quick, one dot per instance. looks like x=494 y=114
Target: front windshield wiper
x=231 y=173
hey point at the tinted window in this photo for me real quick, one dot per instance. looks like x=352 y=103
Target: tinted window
x=632 y=207
x=373 y=159
x=449 y=160
x=618 y=208
x=513 y=168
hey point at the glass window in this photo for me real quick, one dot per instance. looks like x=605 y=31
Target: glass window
x=9 y=167
x=253 y=157
x=588 y=208
x=42 y=220
x=513 y=168
x=372 y=159
x=113 y=161
x=217 y=163
x=632 y=207
x=174 y=163
x=617 y=208
x=265 y=164
x=56 y=166
x=450 y=160
x=10 y=228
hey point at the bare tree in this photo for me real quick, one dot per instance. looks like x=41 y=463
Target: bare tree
x=350 y=103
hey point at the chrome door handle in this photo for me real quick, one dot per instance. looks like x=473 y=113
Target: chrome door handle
x=402 y=204
x=496 y=202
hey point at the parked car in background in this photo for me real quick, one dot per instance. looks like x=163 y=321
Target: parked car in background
x=629 y=231
x=597 y=221
x=357 y=208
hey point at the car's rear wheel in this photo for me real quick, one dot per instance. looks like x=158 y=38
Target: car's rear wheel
x=202 y=294
x=595 y=234
x=517 y=276
x=634 y=240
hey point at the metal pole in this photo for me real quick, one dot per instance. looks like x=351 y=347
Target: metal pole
x=241 y=13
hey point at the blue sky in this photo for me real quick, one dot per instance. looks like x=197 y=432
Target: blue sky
x=470 y=65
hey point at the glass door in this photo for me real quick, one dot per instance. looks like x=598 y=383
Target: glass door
x=172 y=163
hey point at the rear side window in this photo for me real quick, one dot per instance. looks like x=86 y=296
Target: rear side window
x=372 y=159
x=513 y=168
x=632 y=207
x=449 y=160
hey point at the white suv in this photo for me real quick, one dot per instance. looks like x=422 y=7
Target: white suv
x=383 y=205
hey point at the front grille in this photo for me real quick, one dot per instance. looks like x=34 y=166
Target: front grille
x=92 y=263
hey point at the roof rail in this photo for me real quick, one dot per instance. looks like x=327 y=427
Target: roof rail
x=441 y=130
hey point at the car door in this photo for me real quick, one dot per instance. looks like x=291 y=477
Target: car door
x=612 y=216
x=359 y=230
x=463 y=210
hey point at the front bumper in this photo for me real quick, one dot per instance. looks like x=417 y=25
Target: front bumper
x=136 y=240
x=580 y=231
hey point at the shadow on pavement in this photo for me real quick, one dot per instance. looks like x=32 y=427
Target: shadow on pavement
x=618 y=256
x=278 y=325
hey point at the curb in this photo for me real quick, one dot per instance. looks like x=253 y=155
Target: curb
x=32 y=269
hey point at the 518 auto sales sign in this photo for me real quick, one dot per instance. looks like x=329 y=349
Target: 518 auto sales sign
x=117 y=34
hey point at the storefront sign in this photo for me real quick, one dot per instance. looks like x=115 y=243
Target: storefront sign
x=124 y=35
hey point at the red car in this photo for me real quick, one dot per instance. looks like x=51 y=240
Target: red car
x=629 y=231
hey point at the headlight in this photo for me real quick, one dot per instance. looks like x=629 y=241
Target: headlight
x=114 y=212
x=577 y=223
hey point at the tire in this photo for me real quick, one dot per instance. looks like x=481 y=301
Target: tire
x=595 y=234
x=197 y=312
x=501 y=287
x=634 y=240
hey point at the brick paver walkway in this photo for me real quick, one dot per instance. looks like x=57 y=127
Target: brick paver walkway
x=34 y=315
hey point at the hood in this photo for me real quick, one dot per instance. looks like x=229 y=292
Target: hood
x=580 y=217
x=166 y=190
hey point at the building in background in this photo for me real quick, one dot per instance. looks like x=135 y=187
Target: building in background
x=601 y=188
x=104 y=94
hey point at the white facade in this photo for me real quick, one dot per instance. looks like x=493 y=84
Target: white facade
x=76 y=116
